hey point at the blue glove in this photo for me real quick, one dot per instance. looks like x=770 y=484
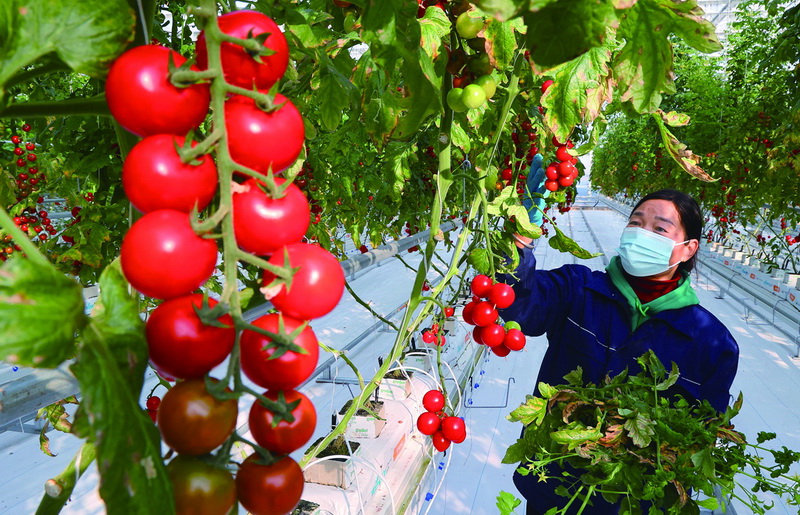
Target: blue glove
x=535 y=184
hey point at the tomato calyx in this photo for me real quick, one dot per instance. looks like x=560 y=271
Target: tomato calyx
x=281 y=341
x=210 y=315
x=183 y=76
x=281 y=409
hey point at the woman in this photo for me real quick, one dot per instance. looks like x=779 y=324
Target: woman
x=603 y=321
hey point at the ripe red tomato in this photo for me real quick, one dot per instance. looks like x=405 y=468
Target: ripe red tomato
x=546 y=85
x=428 y=423
x=143 y=100
x=449 y=311
x=194 y=422
x=492 y=335
x=440 y=442
x=433 y=401
x=565 y=168
x=263 y=224
x=286 y=437
x=316 y=287
x=454 y=429
x=466 y=313
x=428 y=336
x=481 y=285
x=562 y=154
x=180 y=344
x=241 y=67
x=162 y=257
x=501 y=350
x=262 y=140
x=154 y=177
x=484 y=314
x=476 y=335
x=551 y=185
x=273 y=489
x=514 y=340
x=565 y=181
x=199 y=487
x=287 y=371
x=501 y=295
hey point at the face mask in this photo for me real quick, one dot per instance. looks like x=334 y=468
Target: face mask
x=644 y=253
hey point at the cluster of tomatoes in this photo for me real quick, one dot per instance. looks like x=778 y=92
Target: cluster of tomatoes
x=434 y=334
x=483 y=314
x=28 y=178
x=162 y=256
x=473 y=84
x=563 y=172
x=443 y=429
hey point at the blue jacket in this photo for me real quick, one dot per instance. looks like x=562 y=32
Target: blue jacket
x=588 y=324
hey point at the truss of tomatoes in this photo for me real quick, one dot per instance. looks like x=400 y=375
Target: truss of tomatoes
x=163 y=257
x=488 y=297
x=443 y=429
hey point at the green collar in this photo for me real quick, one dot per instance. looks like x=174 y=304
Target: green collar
x=680 y=297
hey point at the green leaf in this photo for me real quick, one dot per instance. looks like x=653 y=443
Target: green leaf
x=523 y=223
x=109 y=368
x=710 y=504
x=581 y=88
x=546 y=390
x=434 y=26
x=480 y=260
x=575 y=378
x=704 y=462
x=531 y=411
x=501 y=44
x=507 y=503
x=680 y=153
x=589 y=20
x=575 y=437
x=640 y=429
x=688 y=23
x=310 y=27
x=671 y=379
x=564 y=243
x=87 y=35
x=40 y=311
x=503 y=9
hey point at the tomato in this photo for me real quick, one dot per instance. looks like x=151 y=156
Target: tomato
x=428 y=423
x=492 y=335
x=245 y=68
x=562 y=154
x=200 y=488
x=317 y=285
x=454 y=429
x=440 y=442
x=162 y=257
x=143 y=100
x=153 y=403
x=154 y=177
x=180 y=345
x=468 y=24
x=546 y=85
x=476 y=335
x=481 y=285
x=286 y=437
x=262 y=140
x=287 y=371
x=565 y=181
x=479 y=64
x=488 y=84
x=501 y=295
x=454 y=100
x=433 y=400
x=565 y=168
x=194 y=422
x=449 y=311
x=551 y=172
x=551 y=185
x=514 y=339
x=473 y=96
x=273 y=489
x=466 y=313
x=428 y=336
x=484 y=314
x=263 y=224
x=509 y=325
x=501 y=350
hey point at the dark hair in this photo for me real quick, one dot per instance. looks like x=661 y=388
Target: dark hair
x=689 y=211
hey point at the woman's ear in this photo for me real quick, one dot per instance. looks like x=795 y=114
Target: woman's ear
x=691 y=249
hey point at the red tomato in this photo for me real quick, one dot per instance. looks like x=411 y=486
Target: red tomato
x=440 y=442
x=316 y=287
x=565 y=181
x=562 y=154
x=481 y=284
x=428 y=336
x=484 y=314
x=466 y=313
x=546 y=85
x=492 y=335
x=286 y=437
x=501 y=350
x=287 y=371
x=433 y=400
x=154 y=177
x=162 y=257
x=449 y=311
x=551 y=185
x=565 y=168
x=143 y=100
x=428 y=423
x=454 y=429
x=514 y=339
x=200 y=488
x=269 y=489
x=263 y=224
x=241 y=67
x=501 y=295
x=180 y=344
x=264 y=140
x=476 y=335
x=194 y=422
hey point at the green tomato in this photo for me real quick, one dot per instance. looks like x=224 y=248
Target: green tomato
x=473 y=96
x=479 y=64
x=488 y=84
x=512 y=325
x=454 y=100
x=468 y=24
